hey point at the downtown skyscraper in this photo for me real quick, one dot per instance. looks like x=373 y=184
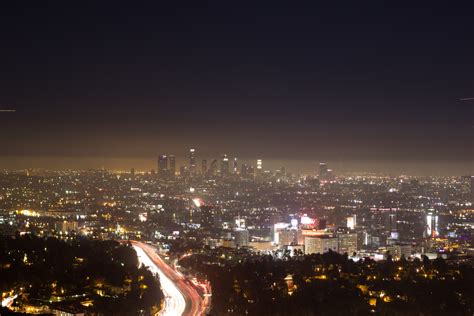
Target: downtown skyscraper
x=192 y=161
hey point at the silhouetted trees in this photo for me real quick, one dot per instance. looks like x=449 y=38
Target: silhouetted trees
x=331 y=284
x=106 y=272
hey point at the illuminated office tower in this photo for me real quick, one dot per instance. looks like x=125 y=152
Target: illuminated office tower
x=235 y=168
x=163 y=166
x=259 y=168
x=224 y=165
x=172 y=166
x=330 y=175
x=431 y=228
x=352 y=222
x=320 y=244
x=204 y=167
x=347 y=243
x=192 y=161
x=323 y=171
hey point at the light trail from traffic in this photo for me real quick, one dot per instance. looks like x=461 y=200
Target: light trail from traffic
x=174 y=303
x=181 y=297
x=7 y=302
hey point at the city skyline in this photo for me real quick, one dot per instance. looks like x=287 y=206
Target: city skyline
x=298 y=166
x=232 y=158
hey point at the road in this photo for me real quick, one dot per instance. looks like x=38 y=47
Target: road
x=7 y=302
x=181 y=297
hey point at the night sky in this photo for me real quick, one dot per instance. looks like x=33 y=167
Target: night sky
x=336 y=80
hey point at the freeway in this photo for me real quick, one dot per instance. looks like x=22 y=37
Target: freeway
x=181 y=297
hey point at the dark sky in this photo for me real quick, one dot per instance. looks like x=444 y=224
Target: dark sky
x=355 y=79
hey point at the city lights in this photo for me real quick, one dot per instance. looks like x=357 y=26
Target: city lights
x=236 y=158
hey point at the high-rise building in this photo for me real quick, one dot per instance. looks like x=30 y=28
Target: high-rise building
x=192 y=161
x=320 y=244
x=347 y=243
x=172 y=165
x=323 y=171
x=204 y=167
x=259 y=171
x=235 y=168
x=163 y=170
x=277 y=228
x=330 y=175
x=352 y=222
x=224 y=165
x=431 y=228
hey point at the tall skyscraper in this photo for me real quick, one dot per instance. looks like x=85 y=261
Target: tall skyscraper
x=163 y=170
x=224 y=165
x=172 y=166
x=351 y=222
x=235 y=168
x=192 y=161
x=259 y=171
x=431 y=228
x=323 y=171
x=204 y=167
x=330 y=175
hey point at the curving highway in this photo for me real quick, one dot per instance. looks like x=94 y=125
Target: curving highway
x=181 y=298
